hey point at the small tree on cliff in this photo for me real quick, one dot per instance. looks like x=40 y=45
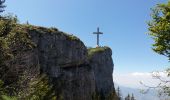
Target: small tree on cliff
x=2 y=6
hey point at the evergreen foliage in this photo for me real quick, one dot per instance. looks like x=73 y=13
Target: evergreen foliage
x=101 y=96
x=128 y=97
x=119 y=95
x=2 y=6
x=132 y=97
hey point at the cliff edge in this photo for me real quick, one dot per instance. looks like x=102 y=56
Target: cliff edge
x=100 y=59
x=75 y=72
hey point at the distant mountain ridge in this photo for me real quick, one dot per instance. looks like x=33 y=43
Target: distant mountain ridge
x=151 y=95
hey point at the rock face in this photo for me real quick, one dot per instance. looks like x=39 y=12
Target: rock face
x=75 y=72
x=76 y=83
x=64 y=58
x=102 y=65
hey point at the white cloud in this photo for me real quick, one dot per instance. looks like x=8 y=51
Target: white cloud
x=140 y=74
x=133 y=79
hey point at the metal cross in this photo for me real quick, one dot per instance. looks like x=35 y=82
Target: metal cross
x=98 y=33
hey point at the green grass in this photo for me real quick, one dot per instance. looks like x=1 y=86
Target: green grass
x=51 y=30
x=92 y=51
x=72 y=38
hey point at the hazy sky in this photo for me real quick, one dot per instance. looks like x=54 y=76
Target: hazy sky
x=123 y=23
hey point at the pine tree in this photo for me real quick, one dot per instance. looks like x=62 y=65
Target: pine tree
x=127 y=97
x=132 y=97
x=118 y=93
x=2 y=6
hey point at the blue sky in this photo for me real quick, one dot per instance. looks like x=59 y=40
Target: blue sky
x=123 y=23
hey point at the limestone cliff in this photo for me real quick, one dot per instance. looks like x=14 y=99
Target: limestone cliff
x=75 y=72
x=102 y=64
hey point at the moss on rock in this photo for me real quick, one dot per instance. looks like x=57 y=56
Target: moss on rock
x=92 y=51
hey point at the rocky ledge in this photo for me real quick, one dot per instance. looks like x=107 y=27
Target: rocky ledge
x=77 y=73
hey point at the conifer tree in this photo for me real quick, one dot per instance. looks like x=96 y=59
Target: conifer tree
x=2 y=6
x=127 y=97
x=118 y=93
x=132 y=97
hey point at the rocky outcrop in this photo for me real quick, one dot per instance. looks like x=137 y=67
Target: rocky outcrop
x=57 y=49
x=76 y=83
x=102 y=64
x=75 y=72
x=64 y=58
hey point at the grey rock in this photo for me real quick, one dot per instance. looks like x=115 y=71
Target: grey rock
x=64 y=59
x=102 y=65
x=75 y=83
x=74 y=73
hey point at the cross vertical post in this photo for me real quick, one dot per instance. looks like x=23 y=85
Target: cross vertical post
x=97 y=33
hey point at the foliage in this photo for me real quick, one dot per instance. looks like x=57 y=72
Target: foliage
x=14 y=38
x=51 y=30
x=7 y=24
x=132 y=97
x=159 y=28
x=4 y=55
x=112 y=96
x=2 y=6
x=128 y=97
x=38 y=89
x=5 y=97
x=72 y=37
x=96 y=96
x=101 y=96
x=4 y=94
x=12 y=34
x=119 y=93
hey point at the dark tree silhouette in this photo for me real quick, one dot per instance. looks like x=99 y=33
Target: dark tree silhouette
x=2 y=6
x=118 y=93
x=132 y=97
x=127 y=97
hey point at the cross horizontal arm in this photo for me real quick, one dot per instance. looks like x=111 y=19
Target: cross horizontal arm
x=97 y=33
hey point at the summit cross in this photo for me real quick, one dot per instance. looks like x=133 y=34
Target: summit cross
x=98 y=33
